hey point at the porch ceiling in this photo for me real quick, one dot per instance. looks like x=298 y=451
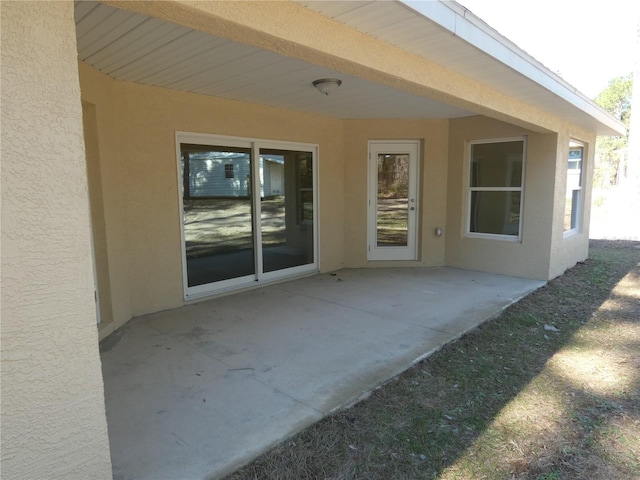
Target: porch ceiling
x=137 y=48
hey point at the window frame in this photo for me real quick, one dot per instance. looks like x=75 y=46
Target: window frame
x=470 y=189
x=229 y=171
x=578 y=209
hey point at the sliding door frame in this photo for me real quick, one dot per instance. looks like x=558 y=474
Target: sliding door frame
x=259 y=277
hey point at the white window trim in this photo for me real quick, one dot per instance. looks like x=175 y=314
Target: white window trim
x=469 y=189
x=580 y=207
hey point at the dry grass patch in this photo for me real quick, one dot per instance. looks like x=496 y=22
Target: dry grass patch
x=549 y=390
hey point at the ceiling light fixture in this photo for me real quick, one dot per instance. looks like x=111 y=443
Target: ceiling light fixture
x=327 y=85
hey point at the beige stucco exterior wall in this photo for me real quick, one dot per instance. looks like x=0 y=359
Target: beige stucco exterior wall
x=569 y=248
x=94 y=179
x=104 y=151
x=530 y=257
x=137 y=126
x=136 y=135
x=53 y=415
x=433 y=135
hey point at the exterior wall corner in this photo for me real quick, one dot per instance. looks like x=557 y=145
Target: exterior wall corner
x=53 y=411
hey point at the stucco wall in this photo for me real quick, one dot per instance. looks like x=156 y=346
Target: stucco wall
x=53 y=416
x=572 y=247
x=136 y=130
x=104 y=151
x=94 y=178
x=137 y=126
x=531 y=256
x=433 y=135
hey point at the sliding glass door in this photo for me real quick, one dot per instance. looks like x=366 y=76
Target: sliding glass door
x=217 y=213
x=286 y=213
x=248 y=211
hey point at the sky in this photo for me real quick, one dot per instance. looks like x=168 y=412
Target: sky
x=586 y=42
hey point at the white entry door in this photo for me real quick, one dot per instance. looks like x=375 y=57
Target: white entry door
x=393 y=201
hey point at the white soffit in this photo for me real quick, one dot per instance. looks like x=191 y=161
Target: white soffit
x=133 y=47
x=448 y=34
x=136 y=48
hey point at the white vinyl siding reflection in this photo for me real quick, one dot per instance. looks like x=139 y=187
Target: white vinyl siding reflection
x=226 y=174
x=573 y=197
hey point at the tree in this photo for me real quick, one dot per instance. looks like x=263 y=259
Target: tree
x=616 y=99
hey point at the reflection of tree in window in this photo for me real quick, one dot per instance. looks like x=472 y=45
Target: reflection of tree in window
x=393 y=175
x=305 y=169
x=305 y=182
x=392 y=220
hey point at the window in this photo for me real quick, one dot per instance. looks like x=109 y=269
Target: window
x=228 y=170
x=496 y=179
x=573 y=198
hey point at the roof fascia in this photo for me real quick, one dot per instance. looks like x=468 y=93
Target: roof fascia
x=462 y=23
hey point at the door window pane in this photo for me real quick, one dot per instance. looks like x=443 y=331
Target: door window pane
x=392 y=215
x=286 y=208
x=217 y=213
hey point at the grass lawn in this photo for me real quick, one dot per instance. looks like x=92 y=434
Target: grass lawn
x=549 y=390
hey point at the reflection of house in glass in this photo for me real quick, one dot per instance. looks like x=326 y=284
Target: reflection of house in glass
x=574 y=171
x=227 y=174
x=574 y=187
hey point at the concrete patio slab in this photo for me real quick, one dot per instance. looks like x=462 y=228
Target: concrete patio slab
x=195 y=392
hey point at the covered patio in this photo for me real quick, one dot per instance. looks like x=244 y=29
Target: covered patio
x=197 y=391
x=112 y=96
